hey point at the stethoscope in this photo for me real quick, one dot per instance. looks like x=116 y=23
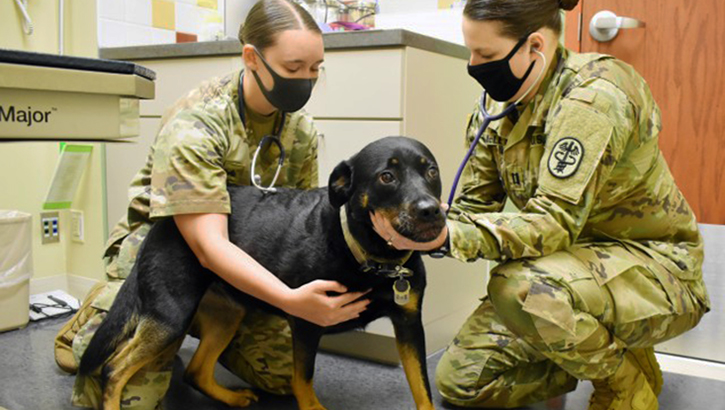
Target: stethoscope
x=487 y=120
x=266 y=140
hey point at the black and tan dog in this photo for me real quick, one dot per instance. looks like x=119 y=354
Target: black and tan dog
x=300 y=236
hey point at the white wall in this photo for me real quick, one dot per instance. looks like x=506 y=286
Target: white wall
x=422 y=16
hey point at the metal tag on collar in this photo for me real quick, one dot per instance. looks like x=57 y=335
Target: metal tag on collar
x=403 y=272
x=401 y=290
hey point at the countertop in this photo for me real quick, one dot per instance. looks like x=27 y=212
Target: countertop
x=333 y=41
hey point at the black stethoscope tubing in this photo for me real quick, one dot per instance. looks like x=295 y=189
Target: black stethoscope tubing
x=256 y=179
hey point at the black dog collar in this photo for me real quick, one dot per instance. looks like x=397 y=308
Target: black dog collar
x=370 y=264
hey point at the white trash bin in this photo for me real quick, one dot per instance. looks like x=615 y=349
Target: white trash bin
x=16 y=268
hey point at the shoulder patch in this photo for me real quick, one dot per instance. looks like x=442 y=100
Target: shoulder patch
x=566 y=157
x=578 y=138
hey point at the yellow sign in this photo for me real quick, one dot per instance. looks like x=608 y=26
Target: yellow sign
x=445 y=4
x=209 y=4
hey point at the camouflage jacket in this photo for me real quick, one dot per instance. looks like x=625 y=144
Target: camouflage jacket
x=202 y=145
x=582 y=164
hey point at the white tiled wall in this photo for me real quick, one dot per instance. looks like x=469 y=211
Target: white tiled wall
x=123 y=23
x=422 y=16
x=131 y=22
x=137 y=12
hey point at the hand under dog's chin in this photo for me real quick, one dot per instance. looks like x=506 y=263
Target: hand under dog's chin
x=423 y=235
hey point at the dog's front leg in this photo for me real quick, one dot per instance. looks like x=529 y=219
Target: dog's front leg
x=410 y=339
x=305 y=340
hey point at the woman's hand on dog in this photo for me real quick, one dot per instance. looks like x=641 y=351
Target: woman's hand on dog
x=386 y=231
x=312 y=303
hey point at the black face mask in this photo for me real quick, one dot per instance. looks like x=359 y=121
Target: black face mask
x=497 y=78
x=288 y=94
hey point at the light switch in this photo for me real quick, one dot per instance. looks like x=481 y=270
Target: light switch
x=76 y=222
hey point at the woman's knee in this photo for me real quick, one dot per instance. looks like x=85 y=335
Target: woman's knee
x=459 y=378
x=508 y=289
x=522 y=297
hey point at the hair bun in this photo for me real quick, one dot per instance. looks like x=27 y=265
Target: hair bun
x=568 y=4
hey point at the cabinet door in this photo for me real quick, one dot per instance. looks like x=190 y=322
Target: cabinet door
x=341 y=139
x=360 y=84
x=176 y=77
x=123 y=161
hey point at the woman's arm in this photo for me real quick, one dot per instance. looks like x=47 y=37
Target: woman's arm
x=208 y=238
x=553 y=219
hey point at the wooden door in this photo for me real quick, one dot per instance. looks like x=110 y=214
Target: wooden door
x=681 y=54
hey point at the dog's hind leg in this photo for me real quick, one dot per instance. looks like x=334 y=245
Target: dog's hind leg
x=305 y=340
x=149 y=342
x=216 y=322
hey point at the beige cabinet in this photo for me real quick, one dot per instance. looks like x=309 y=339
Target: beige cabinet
x=123 y=161
x=341 y=139
x=176 y=77
x=365 y=84
x=361 y=96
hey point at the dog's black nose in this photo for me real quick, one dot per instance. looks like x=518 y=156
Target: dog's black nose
x=427 y=209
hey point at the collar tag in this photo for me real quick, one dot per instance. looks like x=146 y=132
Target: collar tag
x=401 y=289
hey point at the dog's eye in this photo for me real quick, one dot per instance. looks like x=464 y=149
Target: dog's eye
x=432 y=173
x=387 y=178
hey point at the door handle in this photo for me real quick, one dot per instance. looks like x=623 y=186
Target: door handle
x=605 y=25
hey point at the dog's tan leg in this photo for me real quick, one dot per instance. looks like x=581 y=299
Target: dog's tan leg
x=149 y=342
x=216 y=322
x=410 y=340
x=305 y=340
x=414 y=374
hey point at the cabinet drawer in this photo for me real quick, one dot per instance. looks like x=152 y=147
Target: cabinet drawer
x=341 y=139
x=360 y=84
x=175 y=78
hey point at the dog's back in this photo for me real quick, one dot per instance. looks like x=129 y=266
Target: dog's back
x=168 y=281
x=294 y=234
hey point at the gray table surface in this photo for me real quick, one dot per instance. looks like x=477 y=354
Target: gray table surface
x=333 y=41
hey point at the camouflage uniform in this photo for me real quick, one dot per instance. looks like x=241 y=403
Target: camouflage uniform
x=202 y=146
x=603 y=256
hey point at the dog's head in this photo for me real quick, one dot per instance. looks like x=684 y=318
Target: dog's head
x=396 y=177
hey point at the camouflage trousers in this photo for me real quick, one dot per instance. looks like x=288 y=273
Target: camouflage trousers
x=260 y=354
x=549 y=322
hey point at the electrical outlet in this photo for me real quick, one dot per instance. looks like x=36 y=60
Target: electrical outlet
x=76 y=226
x=49 y=227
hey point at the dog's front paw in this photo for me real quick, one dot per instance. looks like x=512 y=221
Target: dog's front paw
x=243 y=398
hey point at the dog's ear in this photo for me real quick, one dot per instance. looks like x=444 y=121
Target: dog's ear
x=340 y=184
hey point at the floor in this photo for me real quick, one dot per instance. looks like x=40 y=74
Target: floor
x=341 y=383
